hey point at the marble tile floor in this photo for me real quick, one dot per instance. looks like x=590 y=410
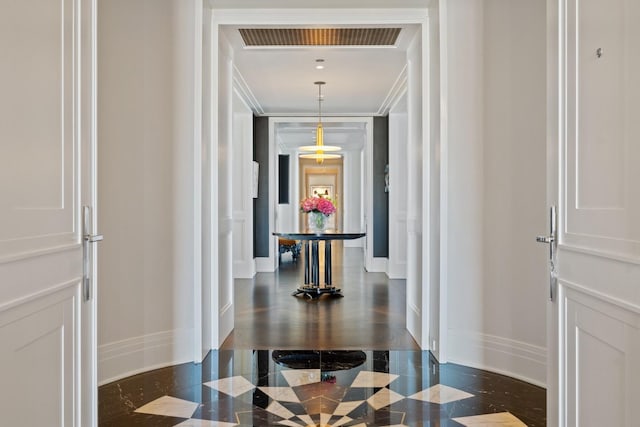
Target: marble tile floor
x=320 y=388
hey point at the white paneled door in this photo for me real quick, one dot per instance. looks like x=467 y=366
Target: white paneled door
x=47 y=128
x=594 y=179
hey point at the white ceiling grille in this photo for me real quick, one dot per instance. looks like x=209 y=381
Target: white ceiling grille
x=319 y=36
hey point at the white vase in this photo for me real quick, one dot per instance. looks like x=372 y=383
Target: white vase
x=317 y=222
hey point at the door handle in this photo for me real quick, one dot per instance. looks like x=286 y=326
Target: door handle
x=87 y=252
x=551 y=240
x=545 y=239
x=91 y=238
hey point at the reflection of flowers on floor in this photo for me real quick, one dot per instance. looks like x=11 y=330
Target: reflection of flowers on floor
x=328 y=378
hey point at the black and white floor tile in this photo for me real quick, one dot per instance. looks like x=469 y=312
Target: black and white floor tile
x=313 y=388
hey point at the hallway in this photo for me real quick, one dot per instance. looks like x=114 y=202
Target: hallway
x=278 y=367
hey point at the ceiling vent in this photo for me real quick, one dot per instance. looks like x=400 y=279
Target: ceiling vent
x=320 y=36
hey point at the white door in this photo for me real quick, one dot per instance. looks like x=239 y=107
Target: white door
x=594 y=178
x=47 y=355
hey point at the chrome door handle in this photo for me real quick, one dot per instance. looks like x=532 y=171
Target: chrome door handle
x=91 y=238
x=545 y=239
x=552 y=242
x=87 y=252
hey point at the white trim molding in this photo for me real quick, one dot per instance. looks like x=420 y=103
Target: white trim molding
x=516 y=359
x=132 y=356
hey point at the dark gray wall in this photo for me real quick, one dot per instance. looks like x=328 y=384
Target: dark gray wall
x=261 y=232
x=380 y=198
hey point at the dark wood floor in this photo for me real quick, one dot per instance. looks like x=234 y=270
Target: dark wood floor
x=370 y=316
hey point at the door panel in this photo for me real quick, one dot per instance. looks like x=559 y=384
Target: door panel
x=47 y=149
x=602 y=352
x=39 y=352
x=602 y=105
x=594 y=102
x=37 y=180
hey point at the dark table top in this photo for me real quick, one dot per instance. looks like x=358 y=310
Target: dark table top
x=325 y=235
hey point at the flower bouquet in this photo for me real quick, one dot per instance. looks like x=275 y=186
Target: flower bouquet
x=319 y=209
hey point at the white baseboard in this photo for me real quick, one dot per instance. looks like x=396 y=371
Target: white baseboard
x=354 y=243
x=265 y=265
x=501 y=355
x=132 y=356
x=397 y=270
x=377 y=265
x=244 y=269
x=225 y=321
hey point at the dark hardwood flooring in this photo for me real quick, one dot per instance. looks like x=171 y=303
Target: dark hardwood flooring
x=370 y=316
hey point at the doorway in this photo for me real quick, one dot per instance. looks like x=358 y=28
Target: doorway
x=220 y=68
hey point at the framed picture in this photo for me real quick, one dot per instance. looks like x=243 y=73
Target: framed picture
x=321 y=191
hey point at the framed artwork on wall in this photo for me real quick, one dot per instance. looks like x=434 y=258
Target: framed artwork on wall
x=321 y=191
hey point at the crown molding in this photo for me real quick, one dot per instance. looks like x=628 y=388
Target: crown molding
x=397 y=91
x=245 y=92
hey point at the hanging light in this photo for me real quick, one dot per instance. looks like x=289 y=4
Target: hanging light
x=320 y=150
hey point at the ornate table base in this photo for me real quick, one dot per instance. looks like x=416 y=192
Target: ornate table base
x=312 y=287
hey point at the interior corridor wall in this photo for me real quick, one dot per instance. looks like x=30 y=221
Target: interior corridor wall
x=398 y=131
x=495 y=185
x=145 y=185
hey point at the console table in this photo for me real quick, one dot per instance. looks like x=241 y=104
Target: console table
x=312 y=287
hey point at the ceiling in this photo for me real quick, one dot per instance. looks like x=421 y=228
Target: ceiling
x=358 y=82
x=359 y=79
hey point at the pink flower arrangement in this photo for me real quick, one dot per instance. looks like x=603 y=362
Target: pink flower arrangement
x=317 y=204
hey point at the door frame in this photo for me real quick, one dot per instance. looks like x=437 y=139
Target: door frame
x=89 y=197
x=208 y=92
x=553 y=199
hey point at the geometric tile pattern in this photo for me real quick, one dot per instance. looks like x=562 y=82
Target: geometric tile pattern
x=280 y=396
x=373 y=379
x=441 y=394
x=301 y=377
x=376 y=393
x=234 y=386
x=204 y=423
x=502 y=419
x=384 y=397
x=170 y=407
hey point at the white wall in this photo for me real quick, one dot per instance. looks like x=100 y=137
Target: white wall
x=398 y=134
x=494 y=201
x=222 y=207
x=432 y=161
x=145 y=186
x=414 y=168
x=242 y=155
x=514 y=180
x=351 y=197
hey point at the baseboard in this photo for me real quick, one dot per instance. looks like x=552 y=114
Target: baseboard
x=377 y=265
x=132 y=356
x=397 y=270
x=264 y=265
x=501 y=355
x=244 y=269
x=225 y=322
x=354 y=243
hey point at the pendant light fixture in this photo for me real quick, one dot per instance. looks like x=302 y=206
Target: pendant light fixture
x=320 y=150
